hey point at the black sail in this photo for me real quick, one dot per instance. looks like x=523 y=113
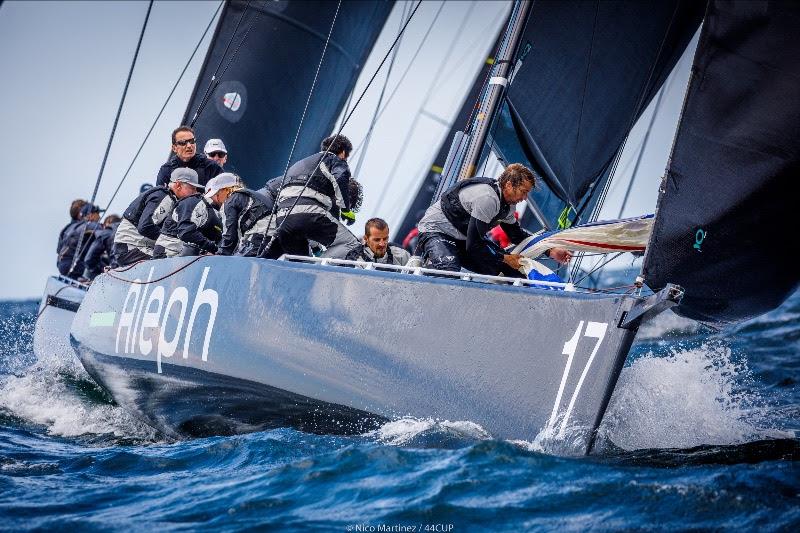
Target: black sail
x=725 y=223
x=588 y=69
x=256 y=109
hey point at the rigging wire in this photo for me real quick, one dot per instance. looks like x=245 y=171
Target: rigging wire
x=215 y=81
x=302 y=119
x=406 y=71
x=407 y=138
x=371 y=128
x=598 y=207
x=80 y=245
x=208 y=91
x=163 y=107
x=265 y=250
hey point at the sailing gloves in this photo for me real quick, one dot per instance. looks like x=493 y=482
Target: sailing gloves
x=348 y=217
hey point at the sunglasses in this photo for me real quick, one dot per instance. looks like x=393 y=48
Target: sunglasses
x=217 y=154
x=184 y=143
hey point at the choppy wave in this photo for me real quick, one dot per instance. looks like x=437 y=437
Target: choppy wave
x=688 y=398
x=698 y=435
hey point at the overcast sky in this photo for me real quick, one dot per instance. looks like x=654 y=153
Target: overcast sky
x=64 y=66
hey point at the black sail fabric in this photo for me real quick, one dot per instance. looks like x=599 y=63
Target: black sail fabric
x=589 y=68
x=256 y=109
x=725 y=224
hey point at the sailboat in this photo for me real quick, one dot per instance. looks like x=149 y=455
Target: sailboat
x=219 y=345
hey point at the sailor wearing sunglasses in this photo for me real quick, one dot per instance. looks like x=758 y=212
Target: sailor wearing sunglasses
x=184 y=155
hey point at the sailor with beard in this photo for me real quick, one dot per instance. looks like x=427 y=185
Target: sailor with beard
x=376 y=247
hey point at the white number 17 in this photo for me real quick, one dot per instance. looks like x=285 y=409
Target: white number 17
x=596 y=330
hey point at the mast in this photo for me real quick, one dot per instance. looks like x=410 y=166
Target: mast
x=497 y=84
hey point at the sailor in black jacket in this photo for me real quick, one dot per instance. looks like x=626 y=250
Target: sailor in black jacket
x=100 y=252
x=142 y=220
x=184 y=148
x=76 y=242
x=453 y=230
x=244 y=214
x=314 y=196
x=193 y=228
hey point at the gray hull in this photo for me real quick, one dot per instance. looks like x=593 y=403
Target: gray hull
x=231 y=344
x=57 y=309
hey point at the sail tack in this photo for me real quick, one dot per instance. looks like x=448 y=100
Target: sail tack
x=257 y=106
x=725 y=225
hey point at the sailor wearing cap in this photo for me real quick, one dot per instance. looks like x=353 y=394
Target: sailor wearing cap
x=215 y=149
x=245 y=214
x=143 y=219
x=77 y=241
x=185 y=155
x=194 y=227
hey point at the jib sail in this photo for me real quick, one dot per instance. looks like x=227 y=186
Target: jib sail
x=725 y=227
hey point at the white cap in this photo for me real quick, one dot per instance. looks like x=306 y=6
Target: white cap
x=222 y=181
x=214 y=145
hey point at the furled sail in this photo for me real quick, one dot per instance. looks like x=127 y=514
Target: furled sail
x=257 y=106
x=585 y=71
x=725 y=225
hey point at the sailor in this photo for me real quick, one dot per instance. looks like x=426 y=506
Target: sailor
x=312 y=200
x=75 y=218
x=193 y=228
x=185 y=155
x=100 y=253
x=244 y=214
x=376 y=247
x=453 y=230
x=77 y=240
x=142 y=220
x=216 y=151
x=345 y=241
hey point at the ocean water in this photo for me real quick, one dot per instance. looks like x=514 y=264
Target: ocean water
x=701 y=434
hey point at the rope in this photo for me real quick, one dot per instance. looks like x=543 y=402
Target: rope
x=135 y=282
x=169 y=97
x=266 y=249
x=80 y=245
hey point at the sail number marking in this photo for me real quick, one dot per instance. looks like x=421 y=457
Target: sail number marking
x=595 y=330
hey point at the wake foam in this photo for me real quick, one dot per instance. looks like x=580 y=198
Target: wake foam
x=427 y=431
x=688 y=398
x=56 y=392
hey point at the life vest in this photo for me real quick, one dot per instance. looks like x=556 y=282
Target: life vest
x=134 y=211
x=458 y=216
x=261 y=206
x=321 y=188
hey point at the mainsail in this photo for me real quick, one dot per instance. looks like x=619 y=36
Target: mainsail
x=269 y=57
x=725 y=224
x=585 y=71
